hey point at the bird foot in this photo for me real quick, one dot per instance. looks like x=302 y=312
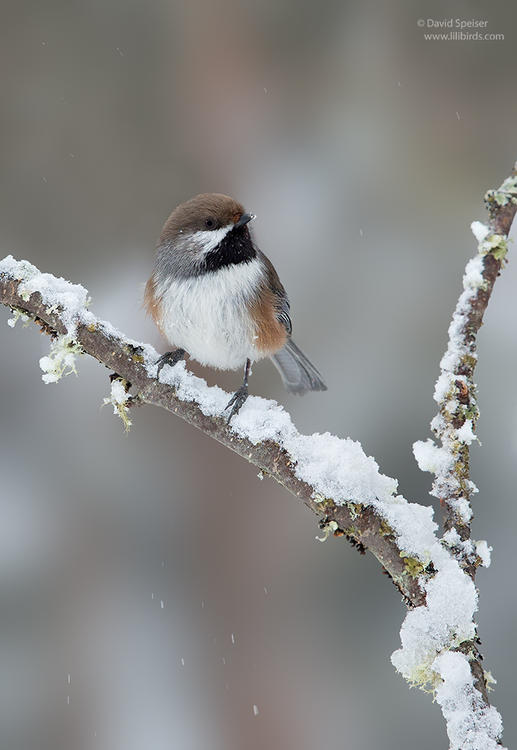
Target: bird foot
x=169 y=358
x=236 y=401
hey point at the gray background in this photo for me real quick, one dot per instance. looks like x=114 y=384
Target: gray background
x=365 y=151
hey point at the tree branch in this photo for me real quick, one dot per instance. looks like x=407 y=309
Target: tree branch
x=133 y=362
x=332 y=476
x=455 y=392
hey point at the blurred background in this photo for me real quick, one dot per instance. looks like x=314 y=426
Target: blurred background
x=154 y=593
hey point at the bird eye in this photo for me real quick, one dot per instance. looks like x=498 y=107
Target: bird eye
x=209 y=223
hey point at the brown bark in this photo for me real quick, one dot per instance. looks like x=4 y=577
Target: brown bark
x=361 y=525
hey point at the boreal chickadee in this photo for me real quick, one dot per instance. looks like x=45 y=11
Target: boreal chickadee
x=214 y=295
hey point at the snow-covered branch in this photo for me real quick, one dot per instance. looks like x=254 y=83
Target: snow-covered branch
x=331 y=475
x=455 y=392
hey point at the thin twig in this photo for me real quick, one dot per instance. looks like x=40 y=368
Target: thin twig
x=458 y=413
x=399 y=534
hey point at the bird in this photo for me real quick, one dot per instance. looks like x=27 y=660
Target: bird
x=215 y=296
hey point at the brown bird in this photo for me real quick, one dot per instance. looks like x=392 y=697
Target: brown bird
x=214 y=295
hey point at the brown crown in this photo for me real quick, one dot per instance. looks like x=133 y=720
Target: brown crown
x=192 y=215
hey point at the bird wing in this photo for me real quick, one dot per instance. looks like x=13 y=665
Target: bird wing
x=282 y=305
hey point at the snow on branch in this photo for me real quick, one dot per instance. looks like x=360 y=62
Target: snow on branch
x=455 y=391
x=332 y=476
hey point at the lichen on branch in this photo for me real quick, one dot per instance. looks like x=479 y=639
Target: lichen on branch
x=456 y=392
x=331 y=475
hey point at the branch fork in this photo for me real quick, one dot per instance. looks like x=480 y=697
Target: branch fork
x=333 y=476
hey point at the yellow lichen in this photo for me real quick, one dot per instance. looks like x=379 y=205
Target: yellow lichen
x=18 y=315
x=413 y=567
x=355 y=509
x=424 y=678
x=490 y=680
x=327 y=529
x=119 y=400
x=325 y=504
x=495 y=244
x=385 y=529
x=60 y=360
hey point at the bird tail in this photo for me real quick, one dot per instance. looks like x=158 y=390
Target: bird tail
x=298 y=374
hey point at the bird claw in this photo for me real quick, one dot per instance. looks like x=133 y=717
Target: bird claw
x=169 y=358
x=236 y=401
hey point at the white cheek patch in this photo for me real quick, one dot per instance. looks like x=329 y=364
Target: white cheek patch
x=207 y=240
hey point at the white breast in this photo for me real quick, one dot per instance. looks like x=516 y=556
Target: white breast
x=208 y=315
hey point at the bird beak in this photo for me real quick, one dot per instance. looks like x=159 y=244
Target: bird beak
x=245 y=218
